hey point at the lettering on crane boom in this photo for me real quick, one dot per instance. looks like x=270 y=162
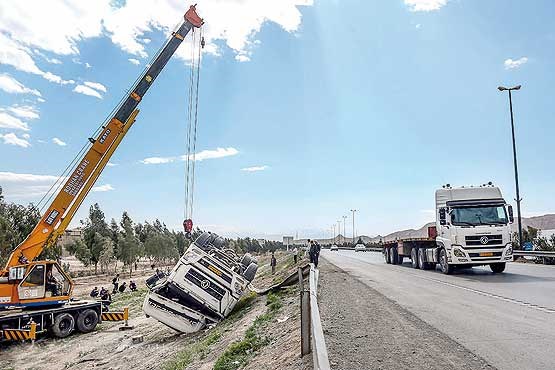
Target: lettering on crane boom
x=104 y=136
x=77 y=179
x=52 y=216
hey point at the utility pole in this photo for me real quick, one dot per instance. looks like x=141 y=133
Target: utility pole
x=333 y=226
x=354 y=235
x=339 y=231
x=510 y=89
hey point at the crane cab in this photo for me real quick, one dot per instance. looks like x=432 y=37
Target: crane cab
x=35 y=284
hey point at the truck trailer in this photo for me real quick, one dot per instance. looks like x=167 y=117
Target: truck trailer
x=473 y=228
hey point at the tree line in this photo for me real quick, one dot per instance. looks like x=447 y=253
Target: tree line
x=105 y=243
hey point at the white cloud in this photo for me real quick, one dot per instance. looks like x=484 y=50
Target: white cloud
x=12 y=139
x=18 y=56
x=85 y=90
x=512 y=64
x=200 y=156
x=418 y=25
x=126 y=23
x=134 y=61
x=13 y=86
x=25 y=177
x=242 y=58
x=255 y=168
x=41 y=100
x=25 y=136
x=59 y=142
x=102 y=188
x=24 y=111
x=11 y=122
x=110 y=164
x=95 y=85
x=87 y=65
x=425 y=5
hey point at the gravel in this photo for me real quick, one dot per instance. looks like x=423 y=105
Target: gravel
x=365 y=330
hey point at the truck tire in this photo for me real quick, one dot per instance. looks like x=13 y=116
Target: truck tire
x=497 y=268
x=87 y=320
x=421 y=260
x=250 y=272
x=386 y=256
x=446 y=268
x=63 y=325
x=246 y=260
x=394 y=255
x=414 y=258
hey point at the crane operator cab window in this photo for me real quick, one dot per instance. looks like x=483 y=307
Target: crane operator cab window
x=56 y=283
x=33 y=285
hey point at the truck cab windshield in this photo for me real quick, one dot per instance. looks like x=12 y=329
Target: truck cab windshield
x=479 y=215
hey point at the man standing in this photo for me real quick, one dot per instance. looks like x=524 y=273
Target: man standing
x=295 y=255
x=273 y=263
x=115 y=282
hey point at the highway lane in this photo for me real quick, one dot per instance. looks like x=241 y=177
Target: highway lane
x=508 y=319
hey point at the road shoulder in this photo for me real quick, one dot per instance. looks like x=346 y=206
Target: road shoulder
x=366 y=330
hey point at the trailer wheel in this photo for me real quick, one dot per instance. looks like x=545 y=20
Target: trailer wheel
x=250 y=272
x=446 y=268
x=421 y=260
x=394 y=255
x=414 y=258
x=246 y=260
x=386 y=256
x=87 y=320
x=63 y=325
x=497 y=268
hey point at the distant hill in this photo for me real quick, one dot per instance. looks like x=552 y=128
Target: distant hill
x=545 y=222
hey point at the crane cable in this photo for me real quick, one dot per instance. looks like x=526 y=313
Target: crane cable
x=190 y=156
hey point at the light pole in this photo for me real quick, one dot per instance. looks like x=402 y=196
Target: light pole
x=354 y=210
x=339 y=231
x=510 y=89
x=344 y=218
x=333 y=234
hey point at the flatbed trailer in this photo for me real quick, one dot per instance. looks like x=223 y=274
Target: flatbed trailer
x=422 y=252
x=82 y=316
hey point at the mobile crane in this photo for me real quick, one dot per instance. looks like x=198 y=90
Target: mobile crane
x=40 y=292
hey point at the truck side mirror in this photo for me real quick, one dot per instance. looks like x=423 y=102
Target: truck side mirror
x=442 y=216
x=511 y=216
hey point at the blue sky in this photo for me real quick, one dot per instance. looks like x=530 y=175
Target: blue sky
x=336 y=104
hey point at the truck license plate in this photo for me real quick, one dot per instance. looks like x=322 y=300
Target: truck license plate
x=486 y=254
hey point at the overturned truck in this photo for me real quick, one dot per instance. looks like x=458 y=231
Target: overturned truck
x=202 y=288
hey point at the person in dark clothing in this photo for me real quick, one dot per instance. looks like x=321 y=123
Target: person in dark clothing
x=94 y=292
x=115 y=283
x=314 y=252
x=132 y=286
x=273 y=263
x=122 y=287
x=103 y=291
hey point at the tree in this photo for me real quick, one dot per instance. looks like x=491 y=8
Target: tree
x=129 y=244
x=95 y=233
x=107 y=255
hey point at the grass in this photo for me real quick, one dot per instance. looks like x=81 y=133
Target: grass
x=133 y=300
x=238 y=354
x=185 y=358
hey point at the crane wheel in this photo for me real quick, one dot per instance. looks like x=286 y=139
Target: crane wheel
x=63 y=325
x=87 y=320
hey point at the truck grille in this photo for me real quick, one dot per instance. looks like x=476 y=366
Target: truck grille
x=215 y=268
x=209 y=286
x=493 y=255
x=482 y=241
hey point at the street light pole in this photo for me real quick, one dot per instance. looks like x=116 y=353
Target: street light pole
x=510 y=89
x=339 y=231
x=344 y=218
x=354 y=210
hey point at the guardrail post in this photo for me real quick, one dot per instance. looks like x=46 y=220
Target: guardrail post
x=305 y=316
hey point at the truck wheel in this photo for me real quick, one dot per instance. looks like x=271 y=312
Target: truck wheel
x=386 y=255
x=421 y=260
x=400 y=259
x=246 y=260
x=414 y=258
x=87 y=320
x=497 y=268
x=446 y=268
x=394 y=255
x=250 y=272
x=63 y=325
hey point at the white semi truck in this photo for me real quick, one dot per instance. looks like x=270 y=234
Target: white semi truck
x=473 y=228
x=202 y=288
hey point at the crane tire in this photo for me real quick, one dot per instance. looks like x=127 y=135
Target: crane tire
x=63 y=325
x=87 y=320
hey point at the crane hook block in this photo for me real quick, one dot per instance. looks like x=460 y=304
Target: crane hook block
x=192 y=17
x=188 y=225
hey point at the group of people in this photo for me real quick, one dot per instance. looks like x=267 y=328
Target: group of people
x=105 y=294
x=314 y=251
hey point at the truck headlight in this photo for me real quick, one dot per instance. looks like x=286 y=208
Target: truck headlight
x=509 y=251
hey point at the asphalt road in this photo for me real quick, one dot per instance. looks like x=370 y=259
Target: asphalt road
x=508 y=319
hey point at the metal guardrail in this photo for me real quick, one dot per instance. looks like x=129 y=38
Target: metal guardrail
x=312 y=334
x=534 y=253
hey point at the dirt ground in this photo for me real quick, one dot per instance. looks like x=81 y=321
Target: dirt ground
x=365 y=330
x=161 y=348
